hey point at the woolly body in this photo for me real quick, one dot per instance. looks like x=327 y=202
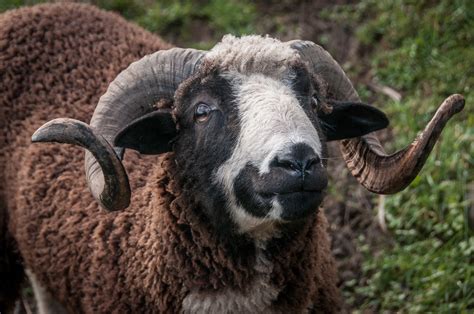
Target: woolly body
x=160 y=251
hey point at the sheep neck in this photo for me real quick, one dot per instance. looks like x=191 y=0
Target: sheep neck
x=231 y=250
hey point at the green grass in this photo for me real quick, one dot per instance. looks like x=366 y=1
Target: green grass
x=178 y=21
x=424 y=49
x=216 y=17
x=12 y=4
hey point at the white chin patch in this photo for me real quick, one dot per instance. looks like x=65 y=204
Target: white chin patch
x=271 y=122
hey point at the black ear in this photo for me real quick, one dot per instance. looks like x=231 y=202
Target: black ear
x=149 y=134
x=351 y=119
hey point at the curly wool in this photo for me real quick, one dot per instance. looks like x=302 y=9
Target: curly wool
x=150 y=256
x=252 y=54
x=55 y=60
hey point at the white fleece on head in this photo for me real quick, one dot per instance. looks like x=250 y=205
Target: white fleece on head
x=252 y=54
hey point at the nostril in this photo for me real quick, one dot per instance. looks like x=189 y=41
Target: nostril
x=293 y=165
x=311 y=162
x=305 y=165
x=301 y=160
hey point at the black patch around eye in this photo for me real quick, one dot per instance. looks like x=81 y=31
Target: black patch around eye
x=200 y=149
x=213 y=90
x=302 y=81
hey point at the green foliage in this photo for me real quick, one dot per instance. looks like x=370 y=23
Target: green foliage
x=424 y=49
x=235 y=17
x=12 y=4
x=187 y=18
x=129 y=9
x=190 y=23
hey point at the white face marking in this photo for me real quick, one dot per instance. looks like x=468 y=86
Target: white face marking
x=271 y=121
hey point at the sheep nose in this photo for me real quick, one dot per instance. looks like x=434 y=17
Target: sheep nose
x=299 y=166
x=301 y=160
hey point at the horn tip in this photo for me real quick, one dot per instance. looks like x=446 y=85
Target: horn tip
x=454 y=103
x=36 y=137
x=41 y=134
x=52 y=130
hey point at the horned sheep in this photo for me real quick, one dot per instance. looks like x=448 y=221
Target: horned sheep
x=226 y=218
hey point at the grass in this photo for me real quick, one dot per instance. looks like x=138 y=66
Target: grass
x=183 y=17
x=180 y=22
x=425 y=50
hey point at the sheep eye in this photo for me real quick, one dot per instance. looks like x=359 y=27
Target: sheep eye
x=202 y=112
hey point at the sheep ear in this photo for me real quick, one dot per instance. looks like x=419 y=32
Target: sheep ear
x=150 y=134
x=351 y=119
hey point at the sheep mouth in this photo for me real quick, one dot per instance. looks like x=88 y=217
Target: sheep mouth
x=287 y=186
x=278 y=195
x=296 y=204
x=271 y=195
x=280 y=182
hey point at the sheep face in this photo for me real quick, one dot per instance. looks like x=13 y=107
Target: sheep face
x=254 y=141
x=252 y=128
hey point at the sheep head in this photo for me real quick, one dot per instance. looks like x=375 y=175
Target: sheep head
x=250 y=122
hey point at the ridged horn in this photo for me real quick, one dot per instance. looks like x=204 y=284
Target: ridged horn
x=365 y=157
x=132 y=94
x=70 y=131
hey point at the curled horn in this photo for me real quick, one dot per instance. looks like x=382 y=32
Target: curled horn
x=116 y=192
x=365 y=157
x=132 y=94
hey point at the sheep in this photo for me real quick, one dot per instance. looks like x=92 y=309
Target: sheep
x=226 y=218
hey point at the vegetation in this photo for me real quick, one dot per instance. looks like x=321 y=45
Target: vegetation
x=424 y=49
x=180 y=22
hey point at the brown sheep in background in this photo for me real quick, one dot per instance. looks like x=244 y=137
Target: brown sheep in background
x=165 y=252
x=54 y=60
